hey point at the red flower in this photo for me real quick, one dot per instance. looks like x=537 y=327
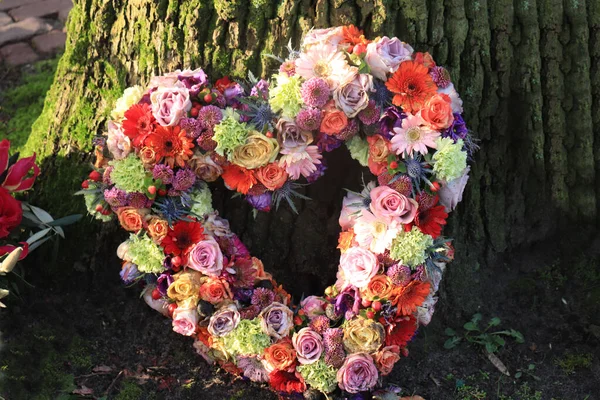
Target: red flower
x=223 y=84
x=401 y=333
x=182 y=237
x=287 y=382
x=138 y=123
x=11 y=213
x=408 y=298
x=171 y=143
x=412 y=86
x=425 y=59
x=15 y=178
x=9 y=248
x=353 y=36
x=238 y=178
x=431 y=220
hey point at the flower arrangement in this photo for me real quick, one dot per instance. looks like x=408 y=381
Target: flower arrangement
x=398 y=114
x=19 y=218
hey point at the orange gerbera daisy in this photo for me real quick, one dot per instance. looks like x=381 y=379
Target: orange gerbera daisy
x=402 y=333
x=412 y=86
x=409 y=297
x=172 y=144
x=238 y=178
x=353 y=35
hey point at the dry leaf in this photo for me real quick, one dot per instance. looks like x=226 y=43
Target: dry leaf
x=498 y=364
x=84 y=391
x=102 y=369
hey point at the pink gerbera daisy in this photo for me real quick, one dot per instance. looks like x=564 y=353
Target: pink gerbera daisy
x=302 y=162
x=413 y=135
x=323 y=61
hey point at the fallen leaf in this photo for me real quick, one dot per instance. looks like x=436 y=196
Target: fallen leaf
x=102 y=369
x=498 y=364
x=84 y=391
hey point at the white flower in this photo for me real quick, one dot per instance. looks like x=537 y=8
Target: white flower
x=131 y=96
x=373 y=233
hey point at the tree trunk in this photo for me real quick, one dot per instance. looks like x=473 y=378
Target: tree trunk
x=526 y=70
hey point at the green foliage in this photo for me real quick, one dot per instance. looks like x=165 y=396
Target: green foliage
x=570 y=362
x=491 y=341
x=530 y=371
x=129 y=391
x=22 y=104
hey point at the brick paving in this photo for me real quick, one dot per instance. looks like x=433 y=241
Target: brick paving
x=31 y=30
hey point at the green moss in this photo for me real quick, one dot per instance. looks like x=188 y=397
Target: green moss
x=570 y=362
x=23 y=104
x=228 y=9
x=129 y=391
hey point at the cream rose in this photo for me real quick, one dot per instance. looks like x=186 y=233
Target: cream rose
x=256 y=152
x=358 y=266
x=131 y=96
x=363 y=335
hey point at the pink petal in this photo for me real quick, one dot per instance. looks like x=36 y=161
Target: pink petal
x=4 y=147
x=15 y=181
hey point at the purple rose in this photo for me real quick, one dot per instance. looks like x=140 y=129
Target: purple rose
x=170 y=104
x=314 y=306
x=232 y=92
x=276 y=320
x=352 y=96
x=451 y=193
x=224 y=321
x=358 y=374
x=290 y=136
x=385 y=55
x=206 y=257
x=308 y=345
x=193 y=80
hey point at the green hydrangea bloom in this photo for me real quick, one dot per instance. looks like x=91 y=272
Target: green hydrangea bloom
x=229 y=134
x=359 y=150
x=285 y=96
x=449 y=159
x=91 y=199
x=129 y=174
x=410 y=247
x=247 y=338
x=319 y=375
x=146 y=254
x=201 y=201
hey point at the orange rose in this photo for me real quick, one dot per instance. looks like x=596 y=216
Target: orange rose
x=261 y=274
x=281 y=355
x=215 y=290
x=131 y=219
x=148 y=156
x=378 y=148
x=437 y=112
x=386 y=358
x=333 y=120
x=380 y=286
x=272 y=176
x=158 y=229
x=345 y=240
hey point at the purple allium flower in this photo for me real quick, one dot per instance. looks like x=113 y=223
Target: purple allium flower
x=205 y=140
x=440 y=76
x=420 y=273
x=184 y=179
x=262 y=297
x=194 y=80
x=315 y=92
x=371 y=114
x=458 y=129
x=261 y=89
x=288 y=68
x=333 y=347
x=209 y=116
x=392 y=118
x=399 y=274
x=350 y=130
x=137 y=200
x=192 y=127
x=309 y=119
x=253 y=368
x=319 y=324
x=319 y=172
x=163 y=172
x=261 y=202
x=220 y=100
x=163 y=282
x=328 y=143
x=129 y=273
x=115 y=197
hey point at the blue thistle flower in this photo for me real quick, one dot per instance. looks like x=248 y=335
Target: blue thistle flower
x=382 y=96
x=417 y=170
x=288 y=192
x=173 y=208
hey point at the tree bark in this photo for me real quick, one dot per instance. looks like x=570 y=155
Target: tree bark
x=526 y=70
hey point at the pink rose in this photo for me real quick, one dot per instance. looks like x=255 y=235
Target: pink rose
x=170 y=104
x=352 y=96
x=358 y=374
x=308 y=345
x=391 y=206
x=117 y=142
x=332 y=36
x=206 y=257
x=386 y=358
x=185 y=320
x=358 y=266
x=385 y=55
x=313 y=306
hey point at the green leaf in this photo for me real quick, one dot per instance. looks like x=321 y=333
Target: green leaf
x=518 y=374
x=451 y=343
x=517 y=335
x=499 y=341
x=531 y=367
x=476 y=318
x=471 y=326
x=41 y=214
x=494 y=321
x=491 y=348
x=449 y=332
x=37 y=236
x=64 y=221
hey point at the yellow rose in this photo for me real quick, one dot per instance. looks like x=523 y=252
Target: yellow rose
x=363 y=336
x=256 y=152
x=130 y=97
x=218 y=349
x=185 y=285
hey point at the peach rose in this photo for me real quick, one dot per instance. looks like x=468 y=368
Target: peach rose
x=386 y=358
x=379 y=148
x=215 y=290
x=205 y=167
x=272 y=176
x=281 y=356
x=437 y=112
x=334 y=120
x=158 y=229
x=148 y=156
x=132 y=219
x=261 y=274
x=346 y=240
x=380 y=287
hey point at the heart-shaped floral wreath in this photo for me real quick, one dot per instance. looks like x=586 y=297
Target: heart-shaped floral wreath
x=396 y=111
